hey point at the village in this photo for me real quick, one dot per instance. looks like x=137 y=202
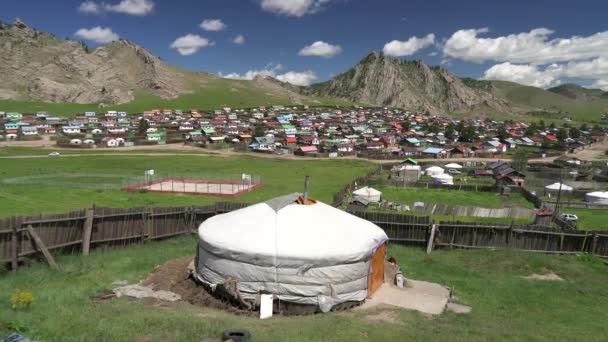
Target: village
x=374 y=133
x=303 y=170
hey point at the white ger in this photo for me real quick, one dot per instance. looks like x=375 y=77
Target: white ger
x=311 y=253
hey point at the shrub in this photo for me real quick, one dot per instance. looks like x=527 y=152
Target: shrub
x=21 y=300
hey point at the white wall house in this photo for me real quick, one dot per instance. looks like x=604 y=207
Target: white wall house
x=117 y=129
x=29 y=131
x=71 y=129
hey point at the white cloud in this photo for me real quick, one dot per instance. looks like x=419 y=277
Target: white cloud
x=97 y=34
x=239 y=40
x=293 y=8
x=190 y=44
x=600 y=84
x=213 y=25
x=532 y=47
x=538 y=76
x=321 y=49
x=409 y=47
x=131 y=7
x=90 y=7
x=302 y=78
x=524 y=74
x=593 y=69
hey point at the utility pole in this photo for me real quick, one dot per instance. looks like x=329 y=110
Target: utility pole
x=559 y=193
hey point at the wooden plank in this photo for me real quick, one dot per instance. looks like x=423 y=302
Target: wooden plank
x=168 y=214
x=14 y=251
x=53 y=220
x=87 y=231
x=42 y=247
x=429 y=246
x=61 y=245
x=120 y=214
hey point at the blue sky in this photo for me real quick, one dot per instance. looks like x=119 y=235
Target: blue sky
x=536 y=42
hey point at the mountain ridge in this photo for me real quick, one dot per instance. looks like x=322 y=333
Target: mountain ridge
x=384 y=81
x=38 y=66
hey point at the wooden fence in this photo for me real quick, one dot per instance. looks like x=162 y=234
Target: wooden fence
x=428 y=185
x=539 y=203
x=84 y=229
x=418 y=230
x=79 y=231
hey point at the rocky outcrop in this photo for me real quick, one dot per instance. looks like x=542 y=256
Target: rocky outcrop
x=37 y=65
x=383 y=81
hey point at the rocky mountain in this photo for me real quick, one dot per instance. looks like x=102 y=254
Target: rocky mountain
x=40 y=66
x=384 y=81
x=37 y=66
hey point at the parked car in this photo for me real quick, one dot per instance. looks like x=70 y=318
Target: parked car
x=54 y=154
x=454 y=172
x=570 y=217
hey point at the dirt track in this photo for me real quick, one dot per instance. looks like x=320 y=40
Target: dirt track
x=593 y=153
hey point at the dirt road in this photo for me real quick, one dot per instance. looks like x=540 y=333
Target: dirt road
x=595 y=152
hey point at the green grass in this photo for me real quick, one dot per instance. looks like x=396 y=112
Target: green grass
x=505 y=305
x=589 y=219
x=450 y=197
x=279 y=177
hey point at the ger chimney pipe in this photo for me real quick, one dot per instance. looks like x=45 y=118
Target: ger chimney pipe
x=305 y=195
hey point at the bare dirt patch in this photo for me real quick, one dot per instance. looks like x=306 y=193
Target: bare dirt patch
x=384 y=316
x=546 y=276
x=173 y=276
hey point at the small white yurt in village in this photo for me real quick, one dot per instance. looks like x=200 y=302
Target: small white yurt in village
x=444 y=179
x=597 y=197
x=311 y=254
x=454 y=166
x=554 y=189
x=369 y=194
x=434 y=171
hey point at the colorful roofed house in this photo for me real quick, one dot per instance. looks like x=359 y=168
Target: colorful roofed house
x=551 y=137
x=14 y=116
x=308 y=149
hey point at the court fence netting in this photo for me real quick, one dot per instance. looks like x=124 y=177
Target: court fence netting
x=204 y=183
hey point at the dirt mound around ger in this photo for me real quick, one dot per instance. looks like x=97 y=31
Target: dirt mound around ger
x=174 y=276
x=546 y=276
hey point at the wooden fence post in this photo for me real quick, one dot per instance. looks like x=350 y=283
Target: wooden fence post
x=14 y=251
x=593 y=244
x=42 y=247
x=147 y=224
x=87 y=231
x=429 y=246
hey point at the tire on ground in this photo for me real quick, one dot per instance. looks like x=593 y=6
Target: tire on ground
x=236 y=335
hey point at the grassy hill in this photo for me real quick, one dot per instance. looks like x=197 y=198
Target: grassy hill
x=552 y=104
x=574 y=91
x=216 y=93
